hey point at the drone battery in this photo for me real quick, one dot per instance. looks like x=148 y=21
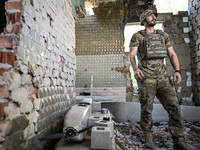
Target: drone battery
x=100 y=138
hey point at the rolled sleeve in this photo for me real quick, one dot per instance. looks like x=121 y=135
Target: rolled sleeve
x=167 y=40
x=134 y=42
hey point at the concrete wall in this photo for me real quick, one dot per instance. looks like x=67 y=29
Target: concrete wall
x=194 y=17
x=37 y=71
x=99 y=50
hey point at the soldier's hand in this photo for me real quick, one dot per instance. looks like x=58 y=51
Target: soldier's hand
x=177 y=77
x=138 y=74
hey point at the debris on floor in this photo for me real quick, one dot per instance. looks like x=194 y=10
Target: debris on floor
x=131 y=136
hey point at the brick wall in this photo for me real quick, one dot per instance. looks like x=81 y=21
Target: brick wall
x=194 y=17
x=178 y=26
x=99 y=50
x=37 y=71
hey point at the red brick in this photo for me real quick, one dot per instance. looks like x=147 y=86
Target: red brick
x=31 y=89
x=4 y=93
x=2 y=105
x=16 y=29
x=7 y=42
x=2 y=71
x=14 y=17
x=13 y=5
x=7 y=58
x=195 y=129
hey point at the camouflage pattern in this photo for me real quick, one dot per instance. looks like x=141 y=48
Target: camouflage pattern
x=152 y=67
x=153 y=45
x=157 y=83
x=146 y=14
x=165 y=92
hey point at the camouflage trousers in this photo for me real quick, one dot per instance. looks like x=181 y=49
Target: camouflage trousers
x=165 y=92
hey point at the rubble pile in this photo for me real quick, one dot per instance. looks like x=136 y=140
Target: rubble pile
x=131 y=136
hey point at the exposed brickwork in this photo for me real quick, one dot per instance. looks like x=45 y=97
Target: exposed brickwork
x=7 y=42
x=7 y=58
x=4 y=92
x=194 y=18
x=13 y=5
x=2 y=106
x=37 y=73
x=2 y=70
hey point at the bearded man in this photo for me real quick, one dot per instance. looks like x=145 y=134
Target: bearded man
x=151 y=47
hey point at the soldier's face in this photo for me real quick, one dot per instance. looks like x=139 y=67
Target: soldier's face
x=151 y=20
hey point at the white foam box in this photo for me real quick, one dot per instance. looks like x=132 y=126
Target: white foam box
x=105 y=123
x=100 y=138
x=93 y=119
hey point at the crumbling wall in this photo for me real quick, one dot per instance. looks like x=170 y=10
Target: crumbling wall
x=194 y=17
x=178 y=27
x=37 y=71
x=99 y=50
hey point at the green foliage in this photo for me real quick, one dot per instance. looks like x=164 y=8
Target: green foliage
x=120 y=145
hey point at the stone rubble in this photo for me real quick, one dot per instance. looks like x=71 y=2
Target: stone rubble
x=131 y=136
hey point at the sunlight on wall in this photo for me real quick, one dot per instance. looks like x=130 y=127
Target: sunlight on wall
x=166 y=6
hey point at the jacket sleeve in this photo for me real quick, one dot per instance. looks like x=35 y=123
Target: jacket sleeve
x=167 y=40
x=134 y=41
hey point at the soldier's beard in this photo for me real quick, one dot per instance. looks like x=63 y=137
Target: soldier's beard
x=151 y=23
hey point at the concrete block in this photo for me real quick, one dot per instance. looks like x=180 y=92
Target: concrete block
x=185 y=19
x=185 y=30
x=100 y=138
x=105 y=123
x=187 y=40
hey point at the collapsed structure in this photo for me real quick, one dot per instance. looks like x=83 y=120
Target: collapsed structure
x=49 y=49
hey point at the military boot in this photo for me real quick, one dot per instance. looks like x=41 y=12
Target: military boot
x=148 y=141
x=179 y=144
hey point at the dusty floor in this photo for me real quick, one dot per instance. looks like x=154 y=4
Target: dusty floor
x=131 y=136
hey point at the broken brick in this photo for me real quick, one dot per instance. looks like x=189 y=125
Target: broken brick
x=2 y=105
x=13 y=5
x=14 y=17
x=195 y=129
x=7 y=42
x=2 y=70
x=31 y=89
x=7 y=58
x=4 y=93
x=16 y=29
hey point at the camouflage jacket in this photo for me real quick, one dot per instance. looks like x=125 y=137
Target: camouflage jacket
x=150 y=67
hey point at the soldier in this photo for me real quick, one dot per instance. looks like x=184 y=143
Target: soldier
x=151 y=47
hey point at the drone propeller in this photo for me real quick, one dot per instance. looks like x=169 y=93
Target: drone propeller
x=52 y=137
x=68 y=133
